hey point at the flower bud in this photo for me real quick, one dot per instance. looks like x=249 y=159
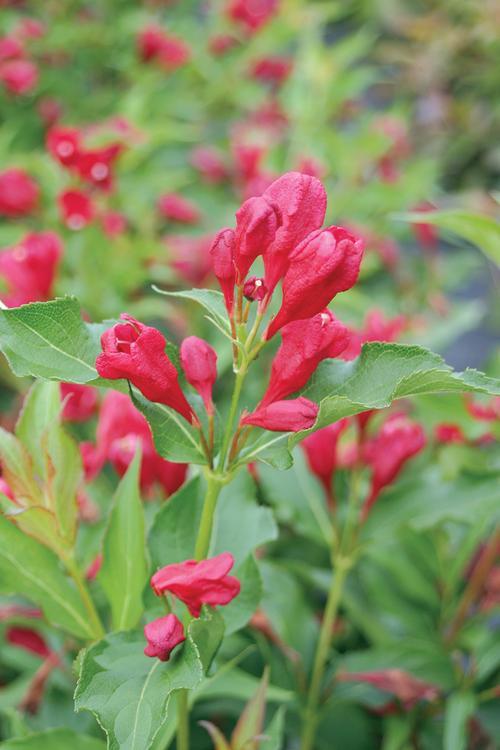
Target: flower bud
x=163 y=635
x=77 y=209
x=198 y=583
x=199 y=362
x=256 y=225
x=305 y=343
x=63 y=144
x=320 y=448
x=254 y=289
x=30 y=268
x=177 y=208
x=324 y=264
x=136 y=352
x=284 y=416
x=222 y=252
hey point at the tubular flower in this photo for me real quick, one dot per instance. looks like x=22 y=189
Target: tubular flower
x=177 y=208
x=398 y=440
x=120 y=429
x=300 y=201
x=305 y=343
x=19 y=76
x=198 y=583
x=95 y=166
x=77 y=209
x=163 y=635
x=376 y=328
x=324 y=264
x=199 y=362
x=284 y=416
x=30 y=268
x=252 y=14
x=136 y=352
x=222 y=253
x=254 y=289
x=80 y=401
x=19 y=193
x=321 y=452
x=64 y=144
x=210 y=164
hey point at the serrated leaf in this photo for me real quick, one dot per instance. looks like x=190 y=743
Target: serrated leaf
x=54 y=739
x=41 y=409
x=210 y=299
x=17 y=469
x=124 y=570
x=173 y=534
x=65 y=476
x=31 y=570
x=173 y=436
x=382 y=374
x=128 y=692
x=272 y=451
x=49 y=340
x=482 y=231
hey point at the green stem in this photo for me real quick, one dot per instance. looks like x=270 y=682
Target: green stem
x=322 y=651
x=182 y=739
x=94 y=619
x=238 y=384
x=214 y=486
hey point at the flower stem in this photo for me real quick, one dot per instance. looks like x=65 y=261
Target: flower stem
x=238 y=384
x=214 y=486
x=182 y=738
x=322 y=650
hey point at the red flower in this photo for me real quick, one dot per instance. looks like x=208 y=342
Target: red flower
x=221 y=43
x=6 y=490
x=273 y=69
x=64 y=144
x=254 y=289
x=376 y=328
x=305 y=343
x=19 y=76
x=49 y=110
x=284 y=416
x=155 y=44
x=136 y=352
x=80 y=402
x=120 y=429
x=177 y=208
x=163 y=635
x=449 y=433
x=426 y=234
x=30 y=28
x=252 y=14
x=77 y=209
x=484 y=412
x=10 y=48
x=311 y=166
x=27 y=639
x=321 y=452
x=113 y=223
x=398 y=440
x=222 y=254
x=190 y=256
x=406 y=688
x=199 y=362
x=324 y=264
x=18 y=193
x=300 y=201
x=95 y=166
x=209 y=162
x=30 y=267
x=198 y=583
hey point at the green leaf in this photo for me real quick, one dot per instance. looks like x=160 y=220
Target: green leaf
x=174 y=438
x=272 y=451
x=31 y=570
x=173 y=534
x=49 y=340
x=210 y=299
x=237 y=613
x=482 y=231
x=128 y=692
x=65 y=476
x=54 y=739
x=124 y=570
x=382 y=374
x=41 y=409
x=274 y=733
x=459 y=709
x=17 y=469
x=251 y=720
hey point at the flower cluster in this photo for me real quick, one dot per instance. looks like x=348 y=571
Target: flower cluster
x=195 y=584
